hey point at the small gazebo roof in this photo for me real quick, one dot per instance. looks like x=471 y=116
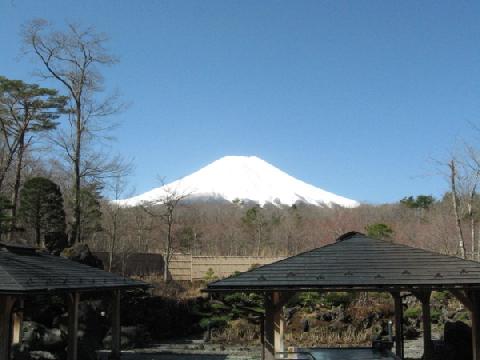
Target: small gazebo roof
x=26 y=270
x=358 y=262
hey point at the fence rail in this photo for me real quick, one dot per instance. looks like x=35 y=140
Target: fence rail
x=184 y=267
x=192 y=268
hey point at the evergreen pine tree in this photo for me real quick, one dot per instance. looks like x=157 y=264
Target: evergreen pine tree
x=5 y=217
x=41 y=208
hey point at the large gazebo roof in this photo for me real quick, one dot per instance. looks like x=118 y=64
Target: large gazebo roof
x=358 y=262
x=26 y=270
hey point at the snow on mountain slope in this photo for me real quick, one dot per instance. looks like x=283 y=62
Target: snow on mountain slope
x=247 y=178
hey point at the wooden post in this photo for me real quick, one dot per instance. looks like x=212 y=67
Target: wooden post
x=475 y=311
x=398 y=324
x=262 y=336
x=73 y=302
x=191 y=267
x=17 y=324
x=116 y=329
x=274 y=324
x=6 y=306
x=424 y=297
x=279 y=325
x=269 y=339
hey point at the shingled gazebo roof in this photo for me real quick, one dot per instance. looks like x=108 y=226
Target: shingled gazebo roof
x=357 y=262
x=26 y=270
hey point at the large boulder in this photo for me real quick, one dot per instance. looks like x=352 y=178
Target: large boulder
x=82 y=254
x=42 y=355
x=410 y=332
x=39 y=337
x=458 y=338
x=130 y=337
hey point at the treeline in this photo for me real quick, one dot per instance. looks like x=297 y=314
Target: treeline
x=247 y=229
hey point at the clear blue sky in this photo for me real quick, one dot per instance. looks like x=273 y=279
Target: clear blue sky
x=354 y=97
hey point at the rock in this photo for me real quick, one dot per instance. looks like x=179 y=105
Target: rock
x=39 y=337
x=337 y=325
x=458 y=337
x=410 y=332
x=328 y=316
x=42 y=355
x=131 y=336
x=288 y=313
x=306 y=325
x=82 y=254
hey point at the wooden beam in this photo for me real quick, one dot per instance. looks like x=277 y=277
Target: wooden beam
x=73 y=302
x=463 y=298
x=116 y=326
x=274 y=324
x=474 y=298
x=279 y=322
x=6 y=306
x=399 y=345
x=269 y=339
x=262 y=336
x=17 y=318
x=424 y=297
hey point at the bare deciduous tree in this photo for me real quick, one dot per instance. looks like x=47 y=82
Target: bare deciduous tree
x=166 y=211
x=73 y=58
x=452 y=165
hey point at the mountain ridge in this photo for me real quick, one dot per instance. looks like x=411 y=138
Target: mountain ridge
x=244 y=178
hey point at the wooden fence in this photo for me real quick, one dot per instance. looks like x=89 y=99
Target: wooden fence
x=183 y=267
x=192 y=268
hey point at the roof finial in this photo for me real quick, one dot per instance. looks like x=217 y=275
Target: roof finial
x=349 y=235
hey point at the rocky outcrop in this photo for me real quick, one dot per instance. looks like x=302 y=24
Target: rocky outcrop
x=82 y=254
x=130 y=337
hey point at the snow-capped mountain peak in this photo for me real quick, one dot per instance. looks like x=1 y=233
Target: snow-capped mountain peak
x=246 y=178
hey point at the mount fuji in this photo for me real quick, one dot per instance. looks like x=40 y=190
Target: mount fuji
x=244 y=178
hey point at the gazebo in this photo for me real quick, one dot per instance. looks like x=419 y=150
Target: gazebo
x=356 y=262
x=26 y=272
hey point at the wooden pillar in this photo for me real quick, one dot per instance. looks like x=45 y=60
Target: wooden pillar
x=274 y=325
x=279 y=325
x=471 y=301
x=116 y=327
x=475 y=311
x=424 y=297
x=17 y=318
x=73 y=302
x=399 y=345
x=269 y=340
x=6 y=306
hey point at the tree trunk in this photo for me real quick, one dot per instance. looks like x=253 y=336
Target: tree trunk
x=259 y=240
x=76 y=236
x=112 y=245
x=16 y=185
x=471 y=215
x=166 y=276
x=458 y=222
x=38 y=236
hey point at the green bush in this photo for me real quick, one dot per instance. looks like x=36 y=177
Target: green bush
x=435 y=315
x=309 y=300
x=209 y=275
x=413 y=312
x=338 y=298
x=440 y=296
x=463 y=316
